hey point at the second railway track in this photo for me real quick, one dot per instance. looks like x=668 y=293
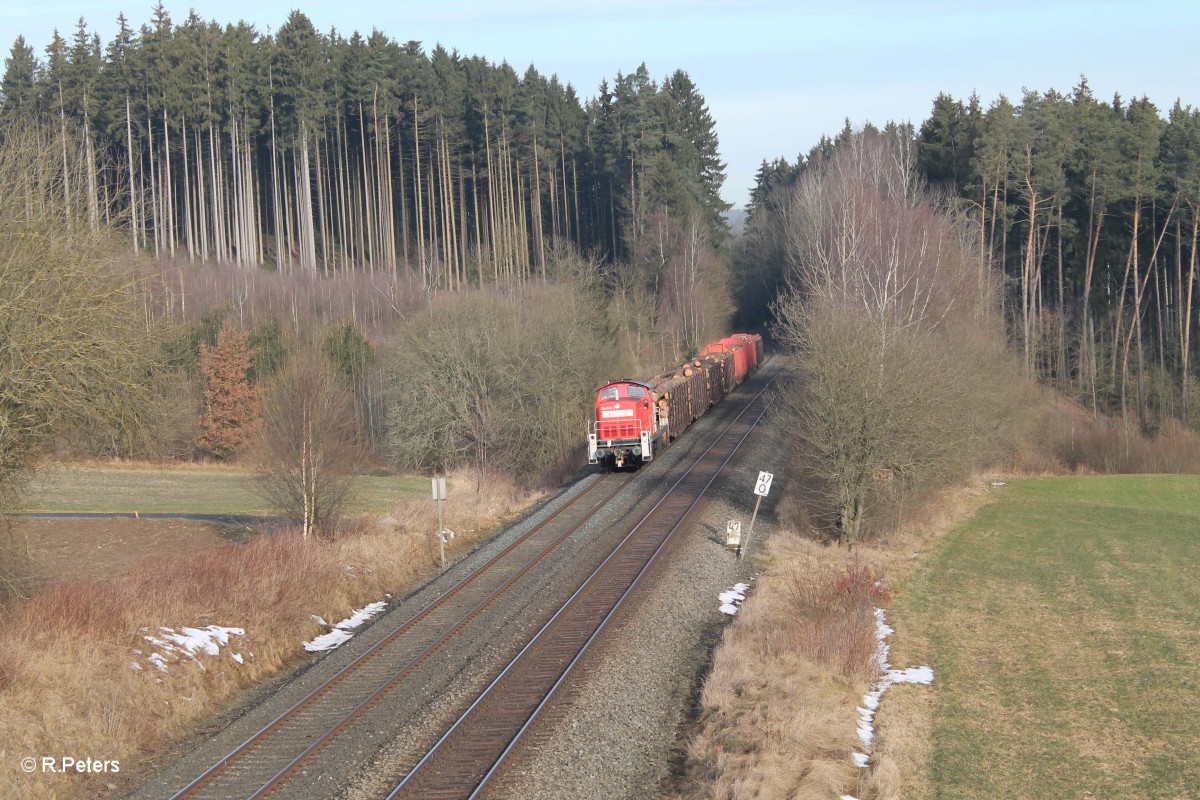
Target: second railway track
x=282 y=749
x=461 y=762
x=268 y=757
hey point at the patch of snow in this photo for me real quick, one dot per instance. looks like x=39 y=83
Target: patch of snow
x=912 y=675
x=171 y=645
x=731 y=600
x=136 y=665
x=341 y=631
x=237 y=657
x=319 y=621
x=999 y=484
x=360 y=616
x=210 y=640
x=890 y=677
x=328 y=641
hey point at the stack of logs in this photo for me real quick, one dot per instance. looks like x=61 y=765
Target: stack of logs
x=685 y=393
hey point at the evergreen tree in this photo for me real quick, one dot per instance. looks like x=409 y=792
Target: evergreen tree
x=18 y=88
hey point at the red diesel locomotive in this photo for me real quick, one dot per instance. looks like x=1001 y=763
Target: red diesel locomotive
x=635 y=419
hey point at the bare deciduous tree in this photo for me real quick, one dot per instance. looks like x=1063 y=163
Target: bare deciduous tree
x=499 y=381
x=71 y=328
x=309 y=454
x=904 y=381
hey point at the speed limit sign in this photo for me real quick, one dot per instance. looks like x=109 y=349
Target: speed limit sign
x=763 y=485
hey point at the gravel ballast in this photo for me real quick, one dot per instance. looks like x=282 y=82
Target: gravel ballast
x=613 y=729
x=616 y=733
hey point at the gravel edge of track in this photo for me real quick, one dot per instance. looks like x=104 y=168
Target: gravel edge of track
x=621 y=731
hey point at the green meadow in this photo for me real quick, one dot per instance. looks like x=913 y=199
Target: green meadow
x=187 y=490
x=1063 y=623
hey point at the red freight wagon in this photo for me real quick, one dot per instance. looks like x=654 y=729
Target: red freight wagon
x=728 y=363
x=754 y=344
x=741 y=360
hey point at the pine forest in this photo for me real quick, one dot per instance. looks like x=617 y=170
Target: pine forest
x=314 y=153
x=1086 y=214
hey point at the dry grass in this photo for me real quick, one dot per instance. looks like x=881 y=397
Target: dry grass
x=1070 y=441
x=778 y=715
x=67 y=685
x=774 y=724
x=474 y=509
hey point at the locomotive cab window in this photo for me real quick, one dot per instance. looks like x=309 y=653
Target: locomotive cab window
x=636 y=391
x=609 y=394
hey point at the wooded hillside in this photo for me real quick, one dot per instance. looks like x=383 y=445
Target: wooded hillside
x=1087 y=211
x=275 y=196
x=315 y=152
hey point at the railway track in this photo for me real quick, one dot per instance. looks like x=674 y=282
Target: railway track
x=271 y=755
x=266 y=760
x=475 y=747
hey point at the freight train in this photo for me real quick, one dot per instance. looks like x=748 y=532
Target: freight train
x=635 y=419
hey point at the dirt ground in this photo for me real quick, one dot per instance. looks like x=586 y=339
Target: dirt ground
x=94 y=549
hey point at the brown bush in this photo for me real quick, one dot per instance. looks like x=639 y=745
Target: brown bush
x=831 y=617
x=1075 y=443
x=231 y=403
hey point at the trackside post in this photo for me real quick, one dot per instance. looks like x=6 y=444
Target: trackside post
x=439 y=495
x=762 y=487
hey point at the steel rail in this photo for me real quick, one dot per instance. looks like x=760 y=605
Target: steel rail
x=276 y=724
x=414 y=774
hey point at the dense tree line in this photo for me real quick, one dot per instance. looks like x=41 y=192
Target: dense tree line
x=304 y=199
x=1087 y=211
x=316 y=152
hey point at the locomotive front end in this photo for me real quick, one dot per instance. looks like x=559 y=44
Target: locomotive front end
x=625 y=426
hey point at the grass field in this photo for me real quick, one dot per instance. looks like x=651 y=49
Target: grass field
x=187 y=490
x=1063 y=623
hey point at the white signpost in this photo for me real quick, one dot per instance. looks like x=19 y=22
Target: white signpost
x=762 y=487
x=439 y=495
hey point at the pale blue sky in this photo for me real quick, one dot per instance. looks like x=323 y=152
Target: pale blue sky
x=776 y=74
